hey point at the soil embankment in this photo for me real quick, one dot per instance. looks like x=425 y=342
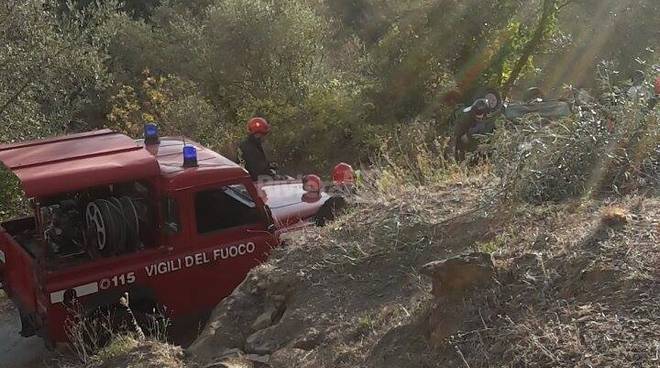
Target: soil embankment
x=15 y=350
x=431 y=278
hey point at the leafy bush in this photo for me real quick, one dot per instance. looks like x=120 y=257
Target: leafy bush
x=50 y=68
x=11 y=201
x=587 y=153
x=171 y=102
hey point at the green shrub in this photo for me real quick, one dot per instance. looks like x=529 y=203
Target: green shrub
x=51 y=67
x=582 y=155
x=11 y=200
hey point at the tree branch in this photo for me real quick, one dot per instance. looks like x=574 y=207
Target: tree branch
x=549 y=8
x=565 y=3
x=20 y=91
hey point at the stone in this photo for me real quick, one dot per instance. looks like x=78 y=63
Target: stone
x=263 y=321
x=310 y=339
x=287 y=358
x=262 y=359
x=230 y=353
x=260 y=342
x=454 y=276
x=454 y=280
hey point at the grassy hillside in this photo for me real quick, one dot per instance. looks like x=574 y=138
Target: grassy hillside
x=575 y=285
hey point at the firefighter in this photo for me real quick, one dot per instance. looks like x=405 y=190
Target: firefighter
x=452 y=99
x=473 y=122
x=344 y=179
x=251 y=151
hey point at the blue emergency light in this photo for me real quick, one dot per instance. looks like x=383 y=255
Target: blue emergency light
x=151 y=134
x=189 y=156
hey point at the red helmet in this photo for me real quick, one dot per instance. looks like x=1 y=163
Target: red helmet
x=312 y=183
x=343 y=174
x=258 y=125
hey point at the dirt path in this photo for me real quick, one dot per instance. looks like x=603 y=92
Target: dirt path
x=17 y=351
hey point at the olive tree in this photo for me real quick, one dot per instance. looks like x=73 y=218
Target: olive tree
x=50 y=69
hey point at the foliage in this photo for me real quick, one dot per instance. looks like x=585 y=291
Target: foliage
x=49 y=69
x=619 y=31
x=11 y=202
x=170 y=102
x=589 y=153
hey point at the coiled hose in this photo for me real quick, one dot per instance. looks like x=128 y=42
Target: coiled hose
x=113 y=226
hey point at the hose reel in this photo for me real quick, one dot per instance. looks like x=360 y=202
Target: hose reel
x=113 y=226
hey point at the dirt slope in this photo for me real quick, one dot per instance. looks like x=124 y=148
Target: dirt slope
x=569 y=289
x=15 y=350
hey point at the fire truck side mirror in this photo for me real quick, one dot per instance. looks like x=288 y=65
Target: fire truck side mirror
x=272 y=228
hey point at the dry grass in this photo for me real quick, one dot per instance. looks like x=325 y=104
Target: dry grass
x=127 y=352
x=590 y=300
x=593 y=301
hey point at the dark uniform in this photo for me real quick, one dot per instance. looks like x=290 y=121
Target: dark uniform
x=252 y=154
x=469 y=125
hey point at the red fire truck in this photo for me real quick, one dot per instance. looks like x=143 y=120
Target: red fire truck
x=172 y=223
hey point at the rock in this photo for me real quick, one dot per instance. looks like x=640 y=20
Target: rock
x=455 y=276
x=261 y=297
x=220 y=365
x=226 y=328
x=278 y=298
x=229 y=353
x=275 y=337
x=261 y=359
x=260 y=342
x=231 y=363
x=443 y=322
x=287 y=358
x=263 y=321
x=310 y=339
x=217 y=365
x=614 y=216
x=454 y=280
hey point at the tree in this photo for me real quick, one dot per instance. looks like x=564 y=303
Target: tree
x=547 y=21
x=49 y=70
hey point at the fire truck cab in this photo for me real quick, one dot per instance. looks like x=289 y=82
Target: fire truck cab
x=172 y=223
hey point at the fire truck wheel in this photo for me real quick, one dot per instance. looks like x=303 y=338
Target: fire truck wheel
x=330 y=210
